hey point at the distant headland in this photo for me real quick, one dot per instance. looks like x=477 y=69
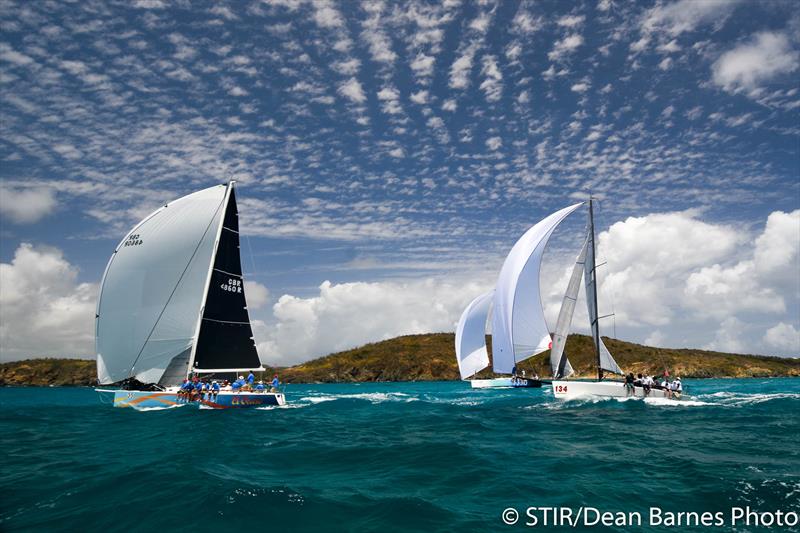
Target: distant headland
x=430 y=357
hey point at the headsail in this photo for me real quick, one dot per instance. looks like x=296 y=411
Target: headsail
x=153 y=287
x=225 y=337
x=605 y=359
x=471 y=336
x=559 y=363
x=519 y=329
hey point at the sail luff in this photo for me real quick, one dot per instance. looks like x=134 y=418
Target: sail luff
x=193 y=353
x=559 y=363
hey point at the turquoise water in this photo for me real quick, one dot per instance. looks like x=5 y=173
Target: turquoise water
x=393 y=456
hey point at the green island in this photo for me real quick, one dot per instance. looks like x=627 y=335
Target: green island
x=430 y=357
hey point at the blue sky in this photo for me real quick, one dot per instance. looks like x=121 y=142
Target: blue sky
x=383 y=147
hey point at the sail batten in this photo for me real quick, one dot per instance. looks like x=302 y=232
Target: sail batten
x=519 y=329
x=471 y=351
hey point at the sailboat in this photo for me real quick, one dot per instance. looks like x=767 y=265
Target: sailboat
x=519 y=328
x=604 y=361
x=172 y=306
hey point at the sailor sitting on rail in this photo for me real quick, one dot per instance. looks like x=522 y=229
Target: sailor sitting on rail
x=260 y=387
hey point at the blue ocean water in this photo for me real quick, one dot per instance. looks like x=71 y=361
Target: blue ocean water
x=394 y=457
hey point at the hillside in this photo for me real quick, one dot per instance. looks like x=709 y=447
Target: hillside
x=431 y=357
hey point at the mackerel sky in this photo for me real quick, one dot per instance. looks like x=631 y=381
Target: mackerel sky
x=389 y=154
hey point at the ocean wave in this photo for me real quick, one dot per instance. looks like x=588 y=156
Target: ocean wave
x=737 y=399
x=372 y=397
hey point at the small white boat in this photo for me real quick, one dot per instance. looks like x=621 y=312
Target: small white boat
x=569 y=389
x=172 y=305
x=586 y=265
x=490 y=383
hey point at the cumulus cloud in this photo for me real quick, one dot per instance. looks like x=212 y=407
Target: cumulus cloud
x=346 y=315
x=44 y=311
x=352 y=90
x=257 y=295
x=751 y=65
x=784 y=337
x=685 y=15
x=26 y=205
x=675 y=280
x=564 y=47
x=492 y=86
x=494 y=143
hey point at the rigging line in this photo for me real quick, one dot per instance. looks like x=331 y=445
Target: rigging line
x=176 y=286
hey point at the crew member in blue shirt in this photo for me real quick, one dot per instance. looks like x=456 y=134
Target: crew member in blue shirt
x=186 y=388
x=236 y=385
x=215 y=389
x=251 y=379
x=275 y=382
x=260 y=386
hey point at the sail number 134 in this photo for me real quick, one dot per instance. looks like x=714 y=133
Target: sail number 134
x=561 y=388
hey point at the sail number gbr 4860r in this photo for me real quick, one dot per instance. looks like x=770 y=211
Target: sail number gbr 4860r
x=233 y=285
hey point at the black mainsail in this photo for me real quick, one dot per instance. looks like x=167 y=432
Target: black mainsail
x=224 y=340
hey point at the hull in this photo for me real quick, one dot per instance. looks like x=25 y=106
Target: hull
x=510 y=383
x=603 y=389
x=168 y=399
x=490 y=383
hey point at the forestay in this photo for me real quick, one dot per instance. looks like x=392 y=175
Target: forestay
x=519 y=329
x=471 y=336
x=152 y=289
x=559 y=364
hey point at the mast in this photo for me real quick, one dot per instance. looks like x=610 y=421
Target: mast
x=595 y=325
x=190 y=367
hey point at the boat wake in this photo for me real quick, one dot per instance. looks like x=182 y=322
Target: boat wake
x=372 y=397
x=159 y=408
x=737 y=399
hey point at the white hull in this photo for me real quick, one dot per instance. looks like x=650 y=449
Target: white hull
x=604 y=389
x=490 y=383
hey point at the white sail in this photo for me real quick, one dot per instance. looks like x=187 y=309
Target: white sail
x=519 y=329
x=471 y=336
x=559 y=363
x=607 y=361
x=153 y=286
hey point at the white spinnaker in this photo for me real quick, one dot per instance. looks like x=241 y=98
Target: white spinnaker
x=607 y=361
x=519 y=329
x=153 y=288
x=471 y=336
x=561 y=367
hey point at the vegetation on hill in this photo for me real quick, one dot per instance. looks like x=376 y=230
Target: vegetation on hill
x=44 y=372
x=431 y=357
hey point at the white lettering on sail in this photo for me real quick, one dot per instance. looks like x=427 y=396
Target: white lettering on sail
x=233 y=285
